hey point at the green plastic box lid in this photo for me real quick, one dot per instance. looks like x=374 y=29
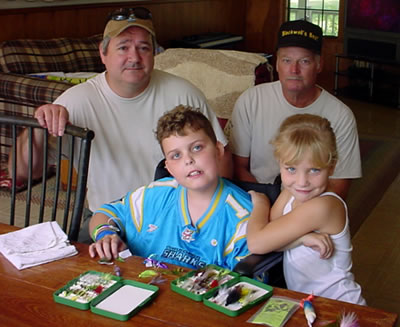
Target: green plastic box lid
x=106 y=294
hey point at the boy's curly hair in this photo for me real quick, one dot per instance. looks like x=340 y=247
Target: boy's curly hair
x=301 y=133
x=181 y=118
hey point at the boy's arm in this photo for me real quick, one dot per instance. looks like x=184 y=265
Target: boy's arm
x=110 y=244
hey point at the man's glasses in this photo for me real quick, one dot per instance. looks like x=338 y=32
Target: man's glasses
x=130 y=14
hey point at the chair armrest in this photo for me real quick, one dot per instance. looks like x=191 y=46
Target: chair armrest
x=255 y=264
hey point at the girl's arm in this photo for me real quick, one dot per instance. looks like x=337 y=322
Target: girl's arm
x=320 y=242
x=260 y=214
x=324 y=214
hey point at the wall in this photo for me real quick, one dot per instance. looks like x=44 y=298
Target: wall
x=257 y=20
x=172 y=19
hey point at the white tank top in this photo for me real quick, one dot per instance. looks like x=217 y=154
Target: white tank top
x=332 y=278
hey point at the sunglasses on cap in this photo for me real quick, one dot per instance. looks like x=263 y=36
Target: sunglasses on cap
x=130 y=14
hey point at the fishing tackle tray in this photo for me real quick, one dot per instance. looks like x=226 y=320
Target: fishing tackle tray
x=258 y=291
x=111 y=300
x=176 y=285
x=261 y=293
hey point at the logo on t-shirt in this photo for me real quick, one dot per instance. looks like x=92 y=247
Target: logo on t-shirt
x=187 y=235
x=151 y=228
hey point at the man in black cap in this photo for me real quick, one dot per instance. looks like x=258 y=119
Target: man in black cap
x=260 y=110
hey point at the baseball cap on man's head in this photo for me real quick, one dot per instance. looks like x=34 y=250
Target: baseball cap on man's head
x=120 y=19
x=300 y=33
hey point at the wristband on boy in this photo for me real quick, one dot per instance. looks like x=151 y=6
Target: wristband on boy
x=116 y=221
x=103 y=233
x=102 y=230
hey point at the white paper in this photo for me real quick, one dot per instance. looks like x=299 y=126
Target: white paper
x=125 y=299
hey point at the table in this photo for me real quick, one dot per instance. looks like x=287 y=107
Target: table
x=26 y=299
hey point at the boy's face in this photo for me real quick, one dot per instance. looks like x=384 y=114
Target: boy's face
x=193 y=160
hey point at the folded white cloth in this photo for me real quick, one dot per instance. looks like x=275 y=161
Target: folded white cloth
x=35 y=245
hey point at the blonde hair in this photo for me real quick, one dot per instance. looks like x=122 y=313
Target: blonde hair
x=301 y=133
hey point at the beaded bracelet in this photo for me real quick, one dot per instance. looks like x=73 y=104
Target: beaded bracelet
x=119 y=225
x=101 y=228
x=103 y=233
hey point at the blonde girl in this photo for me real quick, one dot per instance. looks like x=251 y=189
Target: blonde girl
x=305 y=148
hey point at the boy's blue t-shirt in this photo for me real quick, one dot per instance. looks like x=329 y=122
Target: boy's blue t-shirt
x=157 y=221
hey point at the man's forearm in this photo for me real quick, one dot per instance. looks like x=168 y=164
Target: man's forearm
x=22 y=154
x=340 y=186
x=226 y=166
x=241 y=169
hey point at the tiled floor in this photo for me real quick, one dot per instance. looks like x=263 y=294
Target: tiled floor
x=376 y=245
x=376 y=254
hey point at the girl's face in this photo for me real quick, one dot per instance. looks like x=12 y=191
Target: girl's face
x=303 y=180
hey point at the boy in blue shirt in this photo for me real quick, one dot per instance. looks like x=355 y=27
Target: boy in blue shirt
x=194 y=218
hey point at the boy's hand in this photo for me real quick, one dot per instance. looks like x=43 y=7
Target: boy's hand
x=320 y=242
x=259 y=198
x=108 y=247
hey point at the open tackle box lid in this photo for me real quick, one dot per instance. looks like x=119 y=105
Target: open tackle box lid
x=106 y=294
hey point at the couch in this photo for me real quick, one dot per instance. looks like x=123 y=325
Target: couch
x=21 y=93
x=222 y=75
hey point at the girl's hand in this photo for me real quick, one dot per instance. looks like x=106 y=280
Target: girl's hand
x=320 y=242
x=108 y=247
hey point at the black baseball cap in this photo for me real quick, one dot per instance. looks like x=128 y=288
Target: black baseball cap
x=300 y=33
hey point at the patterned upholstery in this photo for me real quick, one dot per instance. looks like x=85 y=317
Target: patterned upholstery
x=222 y=75
x=28 y=56
x=20 y=94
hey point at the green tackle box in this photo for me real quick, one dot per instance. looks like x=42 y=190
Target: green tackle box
x=105 y=294
x=256 y=291
x=195 y=294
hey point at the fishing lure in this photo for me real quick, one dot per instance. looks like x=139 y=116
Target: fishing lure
x=153 y=263
x=87 y=287
x=308 y=308
x=148 y=273
x=220 y=295
x=117 y=271
x=158 y=279
x=234 y=295
x=345 y=320
x=105 y=261
x=205 y=279
x=349 y=320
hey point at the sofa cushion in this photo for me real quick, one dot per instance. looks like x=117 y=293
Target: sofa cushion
x=222 y=75
x=26 y=56
x=31 y=91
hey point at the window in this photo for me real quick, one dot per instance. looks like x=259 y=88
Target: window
x=324 y=13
